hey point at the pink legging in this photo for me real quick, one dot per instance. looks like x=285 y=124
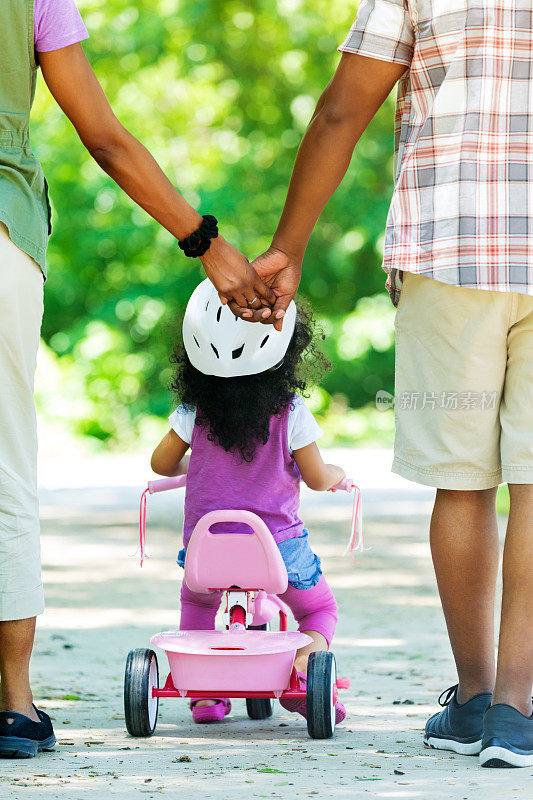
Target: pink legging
x=314 y=609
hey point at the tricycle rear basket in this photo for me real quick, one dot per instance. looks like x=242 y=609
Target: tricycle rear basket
x=246 y=661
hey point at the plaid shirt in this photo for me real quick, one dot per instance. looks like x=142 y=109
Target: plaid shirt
x=462 y=208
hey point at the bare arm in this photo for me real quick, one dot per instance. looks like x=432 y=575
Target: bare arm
x=169 y=457
x=72 y=82
x=314 y=472
x=357 y=90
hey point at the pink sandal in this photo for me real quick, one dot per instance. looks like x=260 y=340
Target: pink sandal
x=300 y=706
x=214 y=713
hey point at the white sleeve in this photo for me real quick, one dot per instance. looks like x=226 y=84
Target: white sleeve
x=182 y=422
x=302 y=428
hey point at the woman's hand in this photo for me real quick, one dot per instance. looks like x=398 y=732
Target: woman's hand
x=282 y=273
x=231 y=274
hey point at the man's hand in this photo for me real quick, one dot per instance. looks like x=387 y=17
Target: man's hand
x=282 y=273
x=231 y=274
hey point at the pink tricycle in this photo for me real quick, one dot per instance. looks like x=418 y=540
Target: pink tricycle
x=247 y=659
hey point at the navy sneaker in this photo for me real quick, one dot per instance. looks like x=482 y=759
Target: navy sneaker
x=507 y=738
x=21 y=737
x=459 y=727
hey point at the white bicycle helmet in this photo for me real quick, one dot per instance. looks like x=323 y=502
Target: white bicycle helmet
x=219 y=343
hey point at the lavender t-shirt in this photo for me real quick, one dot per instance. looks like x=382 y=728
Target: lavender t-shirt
x=57 y=24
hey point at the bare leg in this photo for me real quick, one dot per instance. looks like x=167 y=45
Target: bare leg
x=302 y=656
x=16 y=643
x=514 y=680
x=464 y=546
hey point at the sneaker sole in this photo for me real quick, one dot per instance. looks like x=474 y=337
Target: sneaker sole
x=496 y=756
x=16 y=747
x=462 y=748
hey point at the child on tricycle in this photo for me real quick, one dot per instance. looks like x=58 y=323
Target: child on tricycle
x=252 y=440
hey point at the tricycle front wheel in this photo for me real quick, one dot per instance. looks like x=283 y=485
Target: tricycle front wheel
x=321 y=682
x=140 y=708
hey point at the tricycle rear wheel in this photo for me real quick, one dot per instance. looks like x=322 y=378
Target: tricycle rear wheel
x=140 y=708
x=259 y=707
x=321 y=682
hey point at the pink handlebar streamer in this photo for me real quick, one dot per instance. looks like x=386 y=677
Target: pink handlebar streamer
x=142 y=527
x=356 y=541
x=161 y=485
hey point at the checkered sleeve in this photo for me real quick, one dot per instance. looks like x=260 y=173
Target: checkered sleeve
x=383 y=30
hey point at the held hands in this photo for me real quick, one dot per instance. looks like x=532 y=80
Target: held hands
x=282 y=273
x=256 y=292
x=231 y=274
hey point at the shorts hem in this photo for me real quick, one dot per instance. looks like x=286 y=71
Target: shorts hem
x=461 y=481
x=309 y=583
x=517 y=474
x=21 y=605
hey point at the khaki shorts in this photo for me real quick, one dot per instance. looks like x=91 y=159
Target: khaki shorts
x=464 y=386
x=21 y=309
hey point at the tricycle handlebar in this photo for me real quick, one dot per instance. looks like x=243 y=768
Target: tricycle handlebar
x=163 y=484
x=345 y=485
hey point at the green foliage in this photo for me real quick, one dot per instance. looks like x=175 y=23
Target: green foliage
x=502 y=500
x=220 y=92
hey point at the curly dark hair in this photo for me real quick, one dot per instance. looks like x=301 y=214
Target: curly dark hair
x=237 y=411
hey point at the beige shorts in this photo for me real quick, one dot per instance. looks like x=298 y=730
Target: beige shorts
x=464 y=386
x=21 y=309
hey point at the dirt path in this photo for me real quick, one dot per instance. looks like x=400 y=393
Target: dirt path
x=390 y=642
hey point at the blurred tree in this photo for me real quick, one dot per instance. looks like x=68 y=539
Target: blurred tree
x=221 y=93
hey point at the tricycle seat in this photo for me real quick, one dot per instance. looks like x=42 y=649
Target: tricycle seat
x=246 y=561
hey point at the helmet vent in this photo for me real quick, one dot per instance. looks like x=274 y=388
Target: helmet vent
x=219 y=312
x=196 y=340
x=238 y=352
x=207 y=305
x=215 y=351
x=265 y=340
